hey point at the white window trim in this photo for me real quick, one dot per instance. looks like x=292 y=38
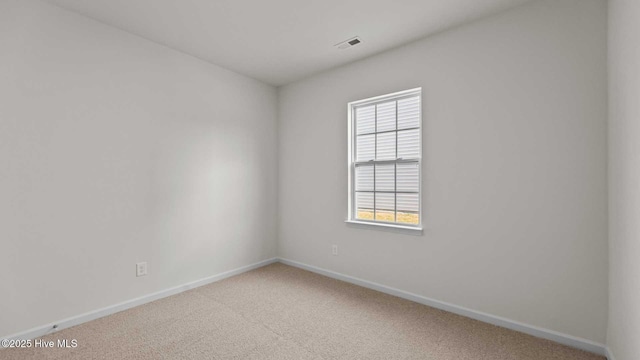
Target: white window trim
x=351 y=162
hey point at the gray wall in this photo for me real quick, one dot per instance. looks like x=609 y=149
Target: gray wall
x=624 y=179
x=515 y=188
x=115 y=150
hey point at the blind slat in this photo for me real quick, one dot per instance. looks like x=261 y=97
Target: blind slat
x=409 y=113
x=408 y=177
x=384 y=202
x=386 y=116
x=365 y=119
x=407 y=202
x=386 y=146
x=364 y=201
x=385 y=177
x=365 y=147
x=364 y=178
x=409 y=144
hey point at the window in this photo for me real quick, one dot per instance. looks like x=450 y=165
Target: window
x=385 y=151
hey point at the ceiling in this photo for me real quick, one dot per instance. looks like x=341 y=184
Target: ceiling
x=280 y=41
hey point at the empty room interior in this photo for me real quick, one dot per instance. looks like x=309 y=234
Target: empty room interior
x=409 y=179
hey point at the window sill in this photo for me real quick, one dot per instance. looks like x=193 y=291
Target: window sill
x=391 y=227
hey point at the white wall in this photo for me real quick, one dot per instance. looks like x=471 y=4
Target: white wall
x=624 y=179
x=115 y=150
x=515 y=190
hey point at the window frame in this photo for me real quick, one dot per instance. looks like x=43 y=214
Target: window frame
x=352 y=163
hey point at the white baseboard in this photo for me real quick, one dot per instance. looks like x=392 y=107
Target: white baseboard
x=552 y=335
x=92 y=315
x=609 y=354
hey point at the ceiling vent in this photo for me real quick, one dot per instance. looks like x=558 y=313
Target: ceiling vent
x=348 y=43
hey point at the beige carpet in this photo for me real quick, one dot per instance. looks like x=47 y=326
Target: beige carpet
x=281 y=312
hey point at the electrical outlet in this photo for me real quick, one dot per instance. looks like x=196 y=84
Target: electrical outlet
x=334 y=250
x=141 y=269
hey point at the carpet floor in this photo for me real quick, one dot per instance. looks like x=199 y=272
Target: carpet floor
x=281 y=312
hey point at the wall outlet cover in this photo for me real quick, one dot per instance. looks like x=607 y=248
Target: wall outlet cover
x=141 y=269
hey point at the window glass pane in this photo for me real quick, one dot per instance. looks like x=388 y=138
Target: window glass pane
x=408 y=206
x=366 y=119
x=364 y=206
x=386 y=116
x=409 y=113
x=409 y=144
x=386 y=146
x=384 y=207
x=385 y=177
x=408 y=178
x=408 y=202
x=365 y=147
x=364 y=178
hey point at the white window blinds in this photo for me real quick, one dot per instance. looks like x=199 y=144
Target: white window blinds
x=385 y=159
